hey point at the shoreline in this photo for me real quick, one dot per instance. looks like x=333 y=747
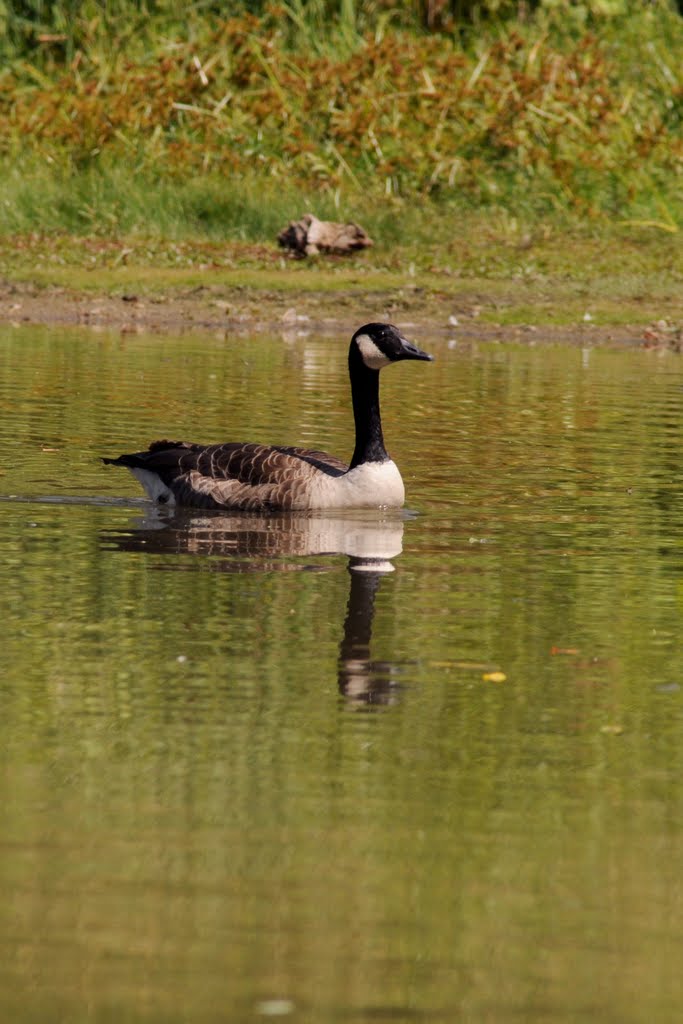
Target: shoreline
x=203 y=308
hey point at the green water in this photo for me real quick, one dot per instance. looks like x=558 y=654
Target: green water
x=243 y=778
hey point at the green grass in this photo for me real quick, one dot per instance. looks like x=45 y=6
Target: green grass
x=214 y=127
x=489 y=270
x=530 y=166
x=111 y=202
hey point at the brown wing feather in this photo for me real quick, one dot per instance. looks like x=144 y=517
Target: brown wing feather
x=235 y=475
x=250 y=463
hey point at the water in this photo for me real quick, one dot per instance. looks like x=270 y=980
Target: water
x=243 y=777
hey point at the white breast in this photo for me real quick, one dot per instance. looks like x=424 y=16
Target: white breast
x=154 y=486
x=372 y=485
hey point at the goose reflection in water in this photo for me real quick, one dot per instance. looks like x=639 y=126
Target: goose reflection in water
x=239 y=543
x=361 y=679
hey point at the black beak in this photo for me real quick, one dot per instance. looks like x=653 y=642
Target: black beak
x=410 y=351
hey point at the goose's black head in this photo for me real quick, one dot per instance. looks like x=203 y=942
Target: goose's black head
x=381 y=344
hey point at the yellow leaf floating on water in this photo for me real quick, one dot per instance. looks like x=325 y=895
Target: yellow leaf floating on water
x=612 y=730
x=494 y=677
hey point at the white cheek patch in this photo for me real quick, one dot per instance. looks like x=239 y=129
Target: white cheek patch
x=373 y=357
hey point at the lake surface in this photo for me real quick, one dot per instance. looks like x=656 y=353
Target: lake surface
x=247 y=773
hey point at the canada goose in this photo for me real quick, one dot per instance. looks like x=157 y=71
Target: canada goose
x=259 y=477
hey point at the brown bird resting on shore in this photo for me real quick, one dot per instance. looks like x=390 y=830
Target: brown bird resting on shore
x=310 y=236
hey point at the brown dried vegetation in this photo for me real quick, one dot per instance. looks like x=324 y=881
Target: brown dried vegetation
x=403 y=114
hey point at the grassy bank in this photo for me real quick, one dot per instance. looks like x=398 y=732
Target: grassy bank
x=225 y=128
x=484 y=274
x=531 y=171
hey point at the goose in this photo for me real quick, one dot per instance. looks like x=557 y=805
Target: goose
x=260 y=477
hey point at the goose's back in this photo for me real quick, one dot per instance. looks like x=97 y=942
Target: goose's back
x=236 y=475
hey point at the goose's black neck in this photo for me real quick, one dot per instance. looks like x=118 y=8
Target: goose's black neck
x=366 y=415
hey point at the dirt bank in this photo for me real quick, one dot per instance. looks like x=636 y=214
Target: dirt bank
x=209 y=309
